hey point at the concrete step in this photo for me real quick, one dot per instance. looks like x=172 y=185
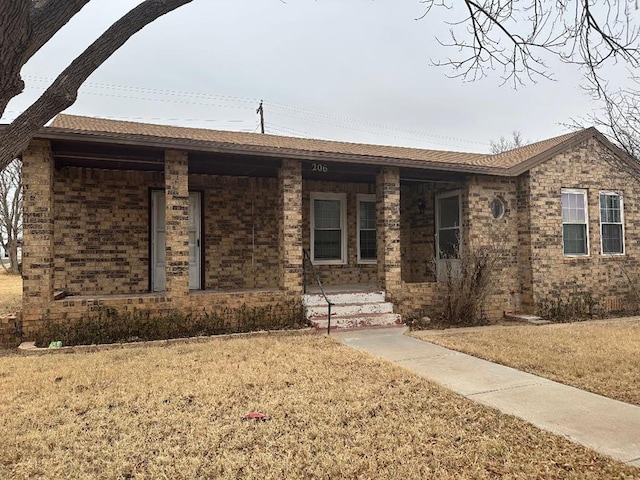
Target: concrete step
x=316 y=299
x=346 y=309
x=354 y=321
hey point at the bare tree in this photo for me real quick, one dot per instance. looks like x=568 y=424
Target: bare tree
x=521 y=38
x=25 y=27
x=505 y=144
x=11 y=213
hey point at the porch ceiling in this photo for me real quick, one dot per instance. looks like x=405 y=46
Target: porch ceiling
x=121 y=157
x=130 y=157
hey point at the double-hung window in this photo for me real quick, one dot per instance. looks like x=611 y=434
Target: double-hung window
x=575 y=231
x=611 y=223
x=367 y=252
x=328 y=228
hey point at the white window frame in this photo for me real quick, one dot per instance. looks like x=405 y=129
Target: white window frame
x=624 y=243
x=365 y=198
x=342 y=198
x=584 y=193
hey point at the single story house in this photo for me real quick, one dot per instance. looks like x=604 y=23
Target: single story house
x=134 y=215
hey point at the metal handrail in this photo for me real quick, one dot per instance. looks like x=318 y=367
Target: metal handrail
x=307 y=257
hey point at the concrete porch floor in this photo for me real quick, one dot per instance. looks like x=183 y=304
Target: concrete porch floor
x=347 y=288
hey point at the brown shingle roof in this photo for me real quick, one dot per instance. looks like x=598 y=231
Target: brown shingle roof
x=506 y=163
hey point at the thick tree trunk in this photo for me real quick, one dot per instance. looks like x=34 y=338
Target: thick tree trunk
x=15 y=138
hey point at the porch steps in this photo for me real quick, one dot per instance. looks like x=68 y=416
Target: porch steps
x=350 y=310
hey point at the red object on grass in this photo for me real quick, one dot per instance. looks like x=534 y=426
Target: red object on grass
x=257 y=416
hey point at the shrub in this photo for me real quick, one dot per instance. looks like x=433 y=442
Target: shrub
x=464 y=286
x=108 y=325
x=575 y=306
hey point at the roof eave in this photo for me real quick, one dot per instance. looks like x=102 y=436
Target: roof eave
x=63 y=134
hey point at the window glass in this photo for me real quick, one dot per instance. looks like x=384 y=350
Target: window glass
x=328 y=227
x=328 y=245
x=368 y=215
x=367 y=247
x=449 y=212
x=574 y=222
x=611 y=223
x=327 y=214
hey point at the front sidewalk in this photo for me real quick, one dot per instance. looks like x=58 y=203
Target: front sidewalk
x=608 y=426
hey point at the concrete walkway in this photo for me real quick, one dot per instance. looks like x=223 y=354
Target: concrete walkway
x=607 y=426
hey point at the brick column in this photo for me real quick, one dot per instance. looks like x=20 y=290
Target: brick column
x=176 y=182
x=37 y=251
x=290 y=231
x=388 y=224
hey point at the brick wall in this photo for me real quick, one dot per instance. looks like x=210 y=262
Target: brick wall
x=102 y=230
x=417 y=230
x=499 y=235
x=352 y=272
x=241 y=231
x=584 y=167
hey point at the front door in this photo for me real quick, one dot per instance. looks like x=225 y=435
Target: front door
x=448 y=232
x=158 y=240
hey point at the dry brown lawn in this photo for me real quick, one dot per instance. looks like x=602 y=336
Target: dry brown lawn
x=601 y=356
x=176 y=412
x=10 y=292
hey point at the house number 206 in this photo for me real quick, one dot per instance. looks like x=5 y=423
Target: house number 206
x=319 y=167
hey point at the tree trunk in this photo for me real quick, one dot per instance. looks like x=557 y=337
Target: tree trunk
x=12 y=251
x=15 y=138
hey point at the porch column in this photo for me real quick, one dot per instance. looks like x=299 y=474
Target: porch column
x=388 y=228
x=176 y=182
x=37 y=250
x=290 y=231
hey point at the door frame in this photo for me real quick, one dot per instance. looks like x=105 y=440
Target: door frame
x=439 y=261
x=150 y=223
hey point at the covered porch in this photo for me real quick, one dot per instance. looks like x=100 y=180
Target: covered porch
x=158 y=228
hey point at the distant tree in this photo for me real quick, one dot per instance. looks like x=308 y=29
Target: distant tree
x=505 y=144
x=25 y=27
x=11 y=213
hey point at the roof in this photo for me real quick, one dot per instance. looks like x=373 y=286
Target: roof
x=510 y=163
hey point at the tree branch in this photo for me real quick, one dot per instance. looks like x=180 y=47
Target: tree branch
x=47 y=17
x=64 y=90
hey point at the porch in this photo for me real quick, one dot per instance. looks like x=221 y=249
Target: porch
x=132 y=227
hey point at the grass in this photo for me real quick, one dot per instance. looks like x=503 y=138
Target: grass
x=176 y=412
x=10 y=292
x=599 y=356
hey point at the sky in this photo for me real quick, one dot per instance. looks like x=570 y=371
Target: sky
x=356 y=71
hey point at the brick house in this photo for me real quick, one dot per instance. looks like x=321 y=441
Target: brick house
x=143 y=216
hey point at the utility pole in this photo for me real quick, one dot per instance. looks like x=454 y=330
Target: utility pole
x=260 y=110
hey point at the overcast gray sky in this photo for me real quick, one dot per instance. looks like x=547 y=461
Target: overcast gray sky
x=356 y=70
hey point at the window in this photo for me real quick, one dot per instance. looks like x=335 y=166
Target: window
x=497 y=208
x=367 y=230
x=611 y=226
x=328 y=232
x=575 y=238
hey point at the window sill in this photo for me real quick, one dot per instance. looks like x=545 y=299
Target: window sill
x=328 y=262
x=367 y=262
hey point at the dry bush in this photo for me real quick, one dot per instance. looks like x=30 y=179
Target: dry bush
x=570 y=305
x=465 y=286
x=108 y=325
x=600 y=356
x=176 y=412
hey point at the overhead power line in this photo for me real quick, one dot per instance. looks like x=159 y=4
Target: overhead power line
x=278 y=109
